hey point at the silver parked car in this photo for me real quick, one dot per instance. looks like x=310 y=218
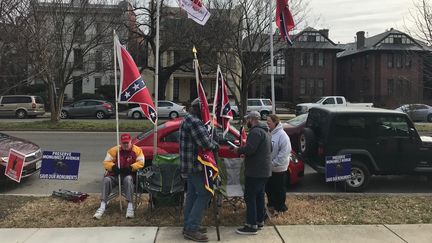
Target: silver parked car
x=100 y=109
x=165 y=109
x=417 y=112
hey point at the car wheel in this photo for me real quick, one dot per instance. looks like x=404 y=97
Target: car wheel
x=21 y=114
x=310 y=144
x=429 y=118
x=136 y=115
x=264 y=115
x=173 y=115
x=100 y=115
x=64 y=115
x=360 y=176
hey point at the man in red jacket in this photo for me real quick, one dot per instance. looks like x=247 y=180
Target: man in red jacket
x=131 y=160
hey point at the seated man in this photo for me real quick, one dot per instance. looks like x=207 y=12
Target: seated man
x=131 y=160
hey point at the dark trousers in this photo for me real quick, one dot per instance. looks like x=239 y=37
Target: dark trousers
x=254 y=199
x=276 y=191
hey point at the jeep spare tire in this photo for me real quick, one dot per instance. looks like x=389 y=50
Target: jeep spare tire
x=310 y=144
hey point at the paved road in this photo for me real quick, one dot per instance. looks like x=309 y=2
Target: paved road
x=93 y=146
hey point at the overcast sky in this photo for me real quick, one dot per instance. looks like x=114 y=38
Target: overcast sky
x=345 y=17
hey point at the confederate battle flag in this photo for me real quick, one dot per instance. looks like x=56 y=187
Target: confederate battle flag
x=284 y=19
x=221 y=105
x=205 y=157
x=133 y=89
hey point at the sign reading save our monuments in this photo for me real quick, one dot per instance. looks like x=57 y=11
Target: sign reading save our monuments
x=338 y=168
x=60 y=165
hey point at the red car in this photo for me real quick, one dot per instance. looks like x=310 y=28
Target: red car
x=294 y=128
x=32 y=151
x=168 y=143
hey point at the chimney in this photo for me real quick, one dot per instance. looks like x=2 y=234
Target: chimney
x=324 y=32
x=360 y=39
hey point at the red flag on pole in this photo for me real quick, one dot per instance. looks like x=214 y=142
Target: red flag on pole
x=284 y=19
x=205 y=157
x=133 y=89
x=221 y=105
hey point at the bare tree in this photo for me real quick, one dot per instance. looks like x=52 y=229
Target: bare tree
x=421 y=19
x=66 y=40
x=177 y=34
x=12 y=64
x=242 y=33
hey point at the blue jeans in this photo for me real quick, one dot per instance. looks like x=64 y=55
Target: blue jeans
x=197 y=200
x=254 y=198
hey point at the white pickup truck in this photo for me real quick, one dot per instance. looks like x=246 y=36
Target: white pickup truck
x=328 y=101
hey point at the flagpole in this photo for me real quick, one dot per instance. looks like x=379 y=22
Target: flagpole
x=215 y=97
x=117 y=116
x=156 y=83
x=271 y=57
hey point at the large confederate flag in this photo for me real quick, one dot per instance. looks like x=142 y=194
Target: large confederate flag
x=205 y=157
x=133 y=89
x=284 y=19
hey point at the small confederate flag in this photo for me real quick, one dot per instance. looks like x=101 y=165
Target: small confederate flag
x=205 y=157
x=221 y=105
x=133 y=89
x=284 y=19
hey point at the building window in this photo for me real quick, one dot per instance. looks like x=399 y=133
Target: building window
x=408 y=61
x=98 y=60
x=390 y=87
x=79 y=31
x=78 y=59
x=398 y=60
x=366 y=61
x=312 y=87
x=321 y=59
x=352 y=64
x=398 y=39
x=176 y=90
x=390 y=60
x=311 y=37
x=319 y=87
x=98 y=82
x=302 y=86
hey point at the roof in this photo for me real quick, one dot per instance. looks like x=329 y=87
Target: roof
x=355 y=109
x=328 y=44
x=374 y=44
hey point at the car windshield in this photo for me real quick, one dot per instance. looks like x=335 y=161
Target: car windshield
x=297 y=120
x=267 y=102
x=149 y=131
x=320 y=100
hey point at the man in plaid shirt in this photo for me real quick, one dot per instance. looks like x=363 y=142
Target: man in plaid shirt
x=194 y=135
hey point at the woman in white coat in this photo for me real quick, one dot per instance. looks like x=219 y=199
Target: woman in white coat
x=281 y=149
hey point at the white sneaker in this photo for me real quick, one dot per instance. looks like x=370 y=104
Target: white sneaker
x=130 y=213
x=99 y=213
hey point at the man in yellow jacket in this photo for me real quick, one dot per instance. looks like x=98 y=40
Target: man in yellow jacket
x=131 y=160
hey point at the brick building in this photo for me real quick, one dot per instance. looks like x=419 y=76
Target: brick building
x=386 y=69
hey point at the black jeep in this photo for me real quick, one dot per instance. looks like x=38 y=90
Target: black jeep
x=381 y=142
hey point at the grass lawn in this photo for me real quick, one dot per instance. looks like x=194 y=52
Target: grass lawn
x=25 y=211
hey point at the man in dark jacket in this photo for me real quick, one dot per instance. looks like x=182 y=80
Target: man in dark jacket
x=257 y=153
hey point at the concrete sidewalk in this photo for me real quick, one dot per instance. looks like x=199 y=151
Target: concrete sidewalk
x=415 y=233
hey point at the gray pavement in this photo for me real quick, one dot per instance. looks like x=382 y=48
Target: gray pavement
x=413 y=233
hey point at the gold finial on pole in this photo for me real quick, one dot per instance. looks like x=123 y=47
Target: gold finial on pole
x=194 y=52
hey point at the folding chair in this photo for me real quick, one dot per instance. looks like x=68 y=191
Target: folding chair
x=164 y=184
x=232 y=188
x=137 y=195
